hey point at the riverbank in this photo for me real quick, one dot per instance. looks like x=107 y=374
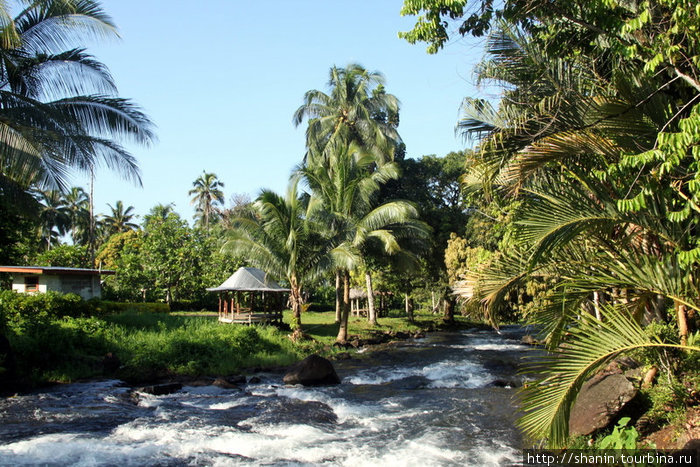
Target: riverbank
x=151 y=347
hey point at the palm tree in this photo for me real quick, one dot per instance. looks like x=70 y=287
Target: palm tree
x=206 y=195
x=57 y=103
x=342 y=192
x=119 y=220
x=280 y=239
x=357 y=110
x=78 y=205
x=54 y=216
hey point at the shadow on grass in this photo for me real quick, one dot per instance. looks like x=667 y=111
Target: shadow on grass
x=316 y=330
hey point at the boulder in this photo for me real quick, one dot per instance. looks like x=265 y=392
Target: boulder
x=230 y=382
x=601 y=398
x=528 y=340
x=505 y=383
x=161 y=389
x=312 y=371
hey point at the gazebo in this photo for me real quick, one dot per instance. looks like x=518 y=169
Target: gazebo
x=358 y=302
x=250 y=296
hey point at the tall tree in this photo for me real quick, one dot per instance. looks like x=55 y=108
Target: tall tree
x=343 y=192
x=206 y=196
x=357 y=110
x=119 y=220
x=78 y=206
x=54 y=217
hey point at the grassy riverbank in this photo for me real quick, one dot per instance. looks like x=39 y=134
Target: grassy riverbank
x=150 y=346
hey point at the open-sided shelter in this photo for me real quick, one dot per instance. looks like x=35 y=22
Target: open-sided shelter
x=250 y=296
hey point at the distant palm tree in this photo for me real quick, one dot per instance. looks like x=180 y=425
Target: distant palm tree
x=59 y=111
x=119 y=220
x=357 y=110
x=54 y=216
x=159 y=212
x=206 y=195
x=78 y=205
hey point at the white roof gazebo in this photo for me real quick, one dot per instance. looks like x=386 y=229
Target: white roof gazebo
x=250 y=296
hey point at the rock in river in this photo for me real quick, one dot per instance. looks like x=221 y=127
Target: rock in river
x=312 y=371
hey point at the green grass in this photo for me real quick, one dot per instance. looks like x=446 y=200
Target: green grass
x=322 y=327
x=157 y=345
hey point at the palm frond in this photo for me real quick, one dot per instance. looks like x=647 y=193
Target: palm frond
x=592 y=344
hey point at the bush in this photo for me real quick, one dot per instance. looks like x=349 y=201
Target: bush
x=16 y=307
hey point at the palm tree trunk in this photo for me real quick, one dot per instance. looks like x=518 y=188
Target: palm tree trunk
x=296 y=300
x=343 y=328
x=338 y=298
x=91 y=227
x=371 y=312
x=596 y=305
x=682 y=323
x=409 y=307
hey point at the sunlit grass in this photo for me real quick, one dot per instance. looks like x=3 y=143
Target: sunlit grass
x=155 y=345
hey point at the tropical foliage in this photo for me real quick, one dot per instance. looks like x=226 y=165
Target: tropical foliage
x=59 y=107
x=351 y=144
x=596 y=138
x=280 y=238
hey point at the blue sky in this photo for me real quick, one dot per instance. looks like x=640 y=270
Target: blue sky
x=221 y=80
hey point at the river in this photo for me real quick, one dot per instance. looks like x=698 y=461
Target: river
x=442 y=400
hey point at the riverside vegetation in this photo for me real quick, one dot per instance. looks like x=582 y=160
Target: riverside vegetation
x=62 y=338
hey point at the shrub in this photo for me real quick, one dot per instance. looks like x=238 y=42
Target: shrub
x=17 y=308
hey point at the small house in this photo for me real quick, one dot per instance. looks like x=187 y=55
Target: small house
x=41 y=279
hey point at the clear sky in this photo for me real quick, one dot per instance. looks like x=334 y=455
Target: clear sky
x=222 y=78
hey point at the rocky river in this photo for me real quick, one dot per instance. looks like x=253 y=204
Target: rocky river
x=447 y=399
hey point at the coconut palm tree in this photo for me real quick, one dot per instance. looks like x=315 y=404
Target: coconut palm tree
x=279 y=238
x=78 y=204
x=357 y=110
x=343 y=190
x=57 y=103
x=206 y=195
x=119 y=220
x=54 y=216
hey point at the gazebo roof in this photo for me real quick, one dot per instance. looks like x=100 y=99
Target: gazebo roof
x=249 y=280
x=357 y=293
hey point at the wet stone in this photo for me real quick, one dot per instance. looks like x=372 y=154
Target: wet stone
x=161 y=389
